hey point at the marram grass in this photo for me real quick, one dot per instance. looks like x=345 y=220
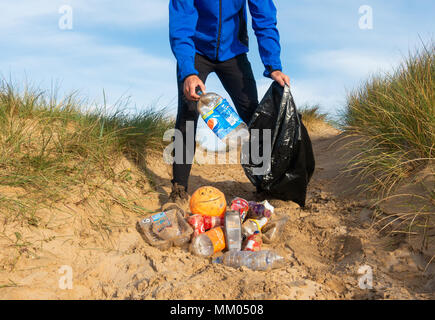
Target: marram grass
x=50 y=146
x=393 y=117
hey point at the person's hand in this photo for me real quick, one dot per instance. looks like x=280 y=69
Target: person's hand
x=280 y=77
x=190 y=84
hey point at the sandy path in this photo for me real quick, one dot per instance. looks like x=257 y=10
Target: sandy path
x=324 y=245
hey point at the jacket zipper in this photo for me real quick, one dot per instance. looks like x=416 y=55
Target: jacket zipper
x=220 y=30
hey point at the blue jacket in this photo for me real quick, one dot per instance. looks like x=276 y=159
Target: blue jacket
x=217 y=29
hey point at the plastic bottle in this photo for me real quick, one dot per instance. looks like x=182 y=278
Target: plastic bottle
x=208 y=243
x=165 y=229
x=252 y=225
x=233 y=230
x=274 y=229
x=221 y=118
x=257 y=261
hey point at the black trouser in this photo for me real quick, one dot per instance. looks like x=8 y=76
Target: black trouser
x=238 y=80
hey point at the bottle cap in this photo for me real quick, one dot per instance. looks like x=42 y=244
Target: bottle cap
x=199 y=91
x=218 y=260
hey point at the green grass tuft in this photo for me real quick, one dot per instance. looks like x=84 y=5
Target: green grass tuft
x=50 y=146
x=393 y=117
x=312 y=117
x=392 y=120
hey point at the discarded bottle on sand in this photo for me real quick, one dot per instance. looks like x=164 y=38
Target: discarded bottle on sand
x=257 y=261
x=221 y=118
x=233 y=231
x=252 y=225
x=208 y=243
x=165 y=229
x=274 y=229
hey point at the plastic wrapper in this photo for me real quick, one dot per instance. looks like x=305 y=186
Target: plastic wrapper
x=165 y=229
x=260 y=210
x=292 y=159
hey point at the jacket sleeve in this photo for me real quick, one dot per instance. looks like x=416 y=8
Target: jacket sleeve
x=264 y=22
x=182 y=24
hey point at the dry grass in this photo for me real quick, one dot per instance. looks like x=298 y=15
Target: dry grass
x=312 y=117
x=392 y=118
x=393 y=115
x=51 y=148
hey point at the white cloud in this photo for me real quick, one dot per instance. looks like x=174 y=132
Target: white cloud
x=124 y=14
x=35 y=48
x=350 y=62
x=15 y=13
x=329 y=95
x=81 y=62
x=127 y=13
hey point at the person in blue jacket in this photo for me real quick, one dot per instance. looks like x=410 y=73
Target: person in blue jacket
x=211 y=36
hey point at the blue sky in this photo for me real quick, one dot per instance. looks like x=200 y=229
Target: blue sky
x=123 y=47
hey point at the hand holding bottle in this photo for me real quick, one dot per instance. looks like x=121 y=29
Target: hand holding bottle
x=190 y=85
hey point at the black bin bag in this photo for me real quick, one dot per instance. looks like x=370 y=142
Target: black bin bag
x=292 y=159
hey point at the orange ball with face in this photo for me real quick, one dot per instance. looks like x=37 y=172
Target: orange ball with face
x=208 y=201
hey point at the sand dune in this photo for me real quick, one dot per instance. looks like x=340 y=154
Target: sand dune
x=325 y=245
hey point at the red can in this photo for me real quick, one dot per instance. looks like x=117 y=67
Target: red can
x=240 y=205
x=201 y=224
x=197 y=223
x=213 y=222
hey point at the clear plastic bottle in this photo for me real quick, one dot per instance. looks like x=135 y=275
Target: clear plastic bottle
x=257 y=261
x=165 y=229
x=221 y=118
x=208 y=243
x=233 y=230
x=274 y=229
x=252 y=225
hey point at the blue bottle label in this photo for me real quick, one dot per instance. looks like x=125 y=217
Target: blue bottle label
x=222 y=119
x=161 y=220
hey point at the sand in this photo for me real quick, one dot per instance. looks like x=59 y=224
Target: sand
x=328 y=246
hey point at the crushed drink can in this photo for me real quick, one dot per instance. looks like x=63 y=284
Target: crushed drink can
x=241 y=206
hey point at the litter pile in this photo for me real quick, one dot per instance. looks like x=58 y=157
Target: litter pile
x=238 y=230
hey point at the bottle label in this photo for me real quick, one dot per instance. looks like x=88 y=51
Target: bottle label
x=254 y=242
x=217 y=237
x=252 y=245
x=197 y=223
x=161 y=220
x=260 y=223
x=222 y=119
x=212 y=222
